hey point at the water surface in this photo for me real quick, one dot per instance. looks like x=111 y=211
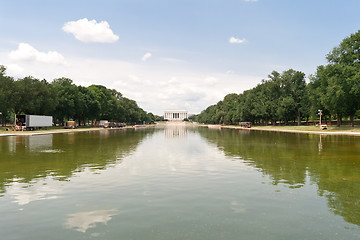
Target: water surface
x=180 y=183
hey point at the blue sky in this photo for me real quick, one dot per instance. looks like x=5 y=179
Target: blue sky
x=171 y=54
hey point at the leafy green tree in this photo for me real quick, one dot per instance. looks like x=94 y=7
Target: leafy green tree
x=305 y=104
x=67 y=93
x=293 y=89
x=35 y=97
x=66 y=101
x=230 y=103
x=7 y=96
x=282 y=96
x=347 y=52
x=341 y=92
x=344 y=75
x=86 y=106
x=103 y=96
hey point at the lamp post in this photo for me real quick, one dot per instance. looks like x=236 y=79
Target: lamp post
x=320 y=113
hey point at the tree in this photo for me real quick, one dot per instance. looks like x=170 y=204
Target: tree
x=66 y=101
x=293 y=89
x=7 y=96
x=67 y=93
x=341 y=79
x=34 y=96
x=281 y=97
x=348 y=51
x=230 y=103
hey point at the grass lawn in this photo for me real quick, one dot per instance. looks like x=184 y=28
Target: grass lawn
x=3 y=129
x=311 y=128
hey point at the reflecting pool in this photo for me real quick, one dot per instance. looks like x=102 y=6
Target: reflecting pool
x=180 y=182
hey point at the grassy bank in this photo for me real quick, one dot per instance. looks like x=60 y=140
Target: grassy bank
x=53 y=130
x=49 y=130
x=8 y=129
x=345 y=130
x=311 y=128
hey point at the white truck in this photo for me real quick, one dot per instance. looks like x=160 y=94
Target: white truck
x=29 y=122
x=104 y=123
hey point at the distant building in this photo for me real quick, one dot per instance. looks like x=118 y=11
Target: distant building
x=175 y=115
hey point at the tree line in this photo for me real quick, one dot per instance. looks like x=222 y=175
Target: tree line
x=65 y=101
x=284 y=97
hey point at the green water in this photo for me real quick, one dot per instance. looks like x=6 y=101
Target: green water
x=179 y=183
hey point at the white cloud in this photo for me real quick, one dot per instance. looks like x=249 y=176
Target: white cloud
x=155 y=89
x=146 y=56
x=134 y=78
x=236 y=40
x=26 y=52
x=90 y=31
x=14 y=70
x=211 y=80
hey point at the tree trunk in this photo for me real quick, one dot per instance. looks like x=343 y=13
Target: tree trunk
x=338 y=120
x=352 y=119
x=299 y=118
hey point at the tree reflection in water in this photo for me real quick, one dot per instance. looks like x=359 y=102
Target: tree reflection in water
x=330 y=161
x=291 y=160
x=25 y=160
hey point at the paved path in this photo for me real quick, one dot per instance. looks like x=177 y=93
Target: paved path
x=174 y=124
x=53 y=131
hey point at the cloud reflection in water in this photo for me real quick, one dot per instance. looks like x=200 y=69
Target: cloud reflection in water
x=82 y=221
x=24 y=193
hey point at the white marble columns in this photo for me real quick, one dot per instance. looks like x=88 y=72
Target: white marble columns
x=175 y=115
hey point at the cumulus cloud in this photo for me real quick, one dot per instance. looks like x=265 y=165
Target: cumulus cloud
x=14 y=70
x=163 y=86
x=90 y=31
x=146 y=56
x=211 y=80
x=26 y=52
x=236 y=40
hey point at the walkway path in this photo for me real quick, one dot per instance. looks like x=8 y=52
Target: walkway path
x=52 y=131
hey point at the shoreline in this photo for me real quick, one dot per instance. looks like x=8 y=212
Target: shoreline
x=63 y=130
x=57 y=131
x=277 y=129
x=210 y=126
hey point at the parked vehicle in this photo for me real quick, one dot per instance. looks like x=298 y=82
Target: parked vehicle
x=245 y=124
x=104 y=123
x=30 y=122
x=70 y=125
x=116 y=125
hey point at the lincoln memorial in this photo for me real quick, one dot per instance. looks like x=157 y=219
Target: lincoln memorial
x=176 y=115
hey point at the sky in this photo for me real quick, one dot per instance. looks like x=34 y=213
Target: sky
x=167 y=54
